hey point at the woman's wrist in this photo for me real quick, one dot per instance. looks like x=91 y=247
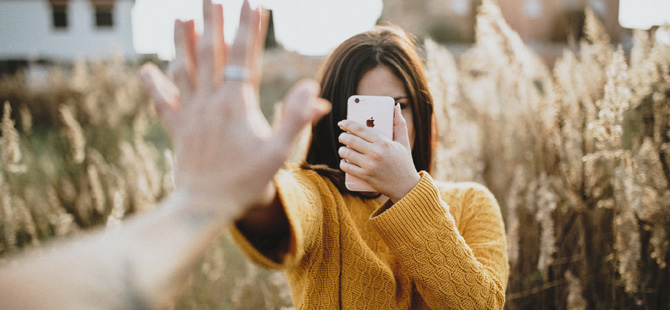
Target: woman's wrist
x=405 y=187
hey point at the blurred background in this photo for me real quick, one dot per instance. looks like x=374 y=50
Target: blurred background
x=37 y=33
x=560 y=107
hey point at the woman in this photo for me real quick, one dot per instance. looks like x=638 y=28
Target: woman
x=417 y=243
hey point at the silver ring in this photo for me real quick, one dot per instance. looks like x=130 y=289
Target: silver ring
x=236 y=74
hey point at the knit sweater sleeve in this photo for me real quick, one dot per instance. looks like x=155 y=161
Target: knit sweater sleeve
x=452 y=269
x=300 y=193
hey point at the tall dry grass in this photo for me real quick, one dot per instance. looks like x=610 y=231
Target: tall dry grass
x=578 y=155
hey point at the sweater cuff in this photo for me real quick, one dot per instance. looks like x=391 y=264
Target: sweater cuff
x=410 y=217
x=250 y=251
x=294 y=249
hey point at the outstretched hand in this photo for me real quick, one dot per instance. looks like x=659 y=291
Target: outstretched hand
x=225 y=150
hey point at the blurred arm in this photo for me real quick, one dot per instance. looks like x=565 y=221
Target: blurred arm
x=226 y=155
x=140 y=265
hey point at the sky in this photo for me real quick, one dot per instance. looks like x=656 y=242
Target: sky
x=308 y=27
x=315 y=27
x=643 y=14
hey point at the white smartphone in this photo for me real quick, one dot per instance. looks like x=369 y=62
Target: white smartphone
x=375 y=112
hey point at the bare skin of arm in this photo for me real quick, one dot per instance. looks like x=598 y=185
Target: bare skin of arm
x=141 y=265
x=144 y=263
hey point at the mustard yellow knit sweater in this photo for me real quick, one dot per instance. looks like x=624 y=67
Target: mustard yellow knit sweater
x=440 y=247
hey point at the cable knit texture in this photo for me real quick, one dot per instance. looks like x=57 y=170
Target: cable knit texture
x=440 y=247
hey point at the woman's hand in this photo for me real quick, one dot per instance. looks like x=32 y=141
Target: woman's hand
x=385 y=165
x=224 y=147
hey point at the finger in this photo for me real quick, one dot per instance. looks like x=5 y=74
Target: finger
x=164 y=94
x=219 y=43
x=350 y=168
x=400 y=134
x=256 y=62
x=359 y=130
x=191 y=37
x=206 y=48
x=182 y=69
x=354 y=142
x=241 y=52
x=352 y=156
x=301 y=107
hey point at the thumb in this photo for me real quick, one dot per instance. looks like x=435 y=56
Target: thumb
x=400 y=134
x=301 y=107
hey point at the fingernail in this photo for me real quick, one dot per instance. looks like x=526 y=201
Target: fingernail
x=340 y=124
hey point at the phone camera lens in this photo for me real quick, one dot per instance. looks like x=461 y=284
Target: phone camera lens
x=357 y=100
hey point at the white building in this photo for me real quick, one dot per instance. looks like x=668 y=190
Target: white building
x=65 y=29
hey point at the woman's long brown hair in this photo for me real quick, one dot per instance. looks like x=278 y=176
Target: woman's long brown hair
x=339 y=78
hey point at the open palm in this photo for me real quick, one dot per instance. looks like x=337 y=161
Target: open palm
x=222 y=141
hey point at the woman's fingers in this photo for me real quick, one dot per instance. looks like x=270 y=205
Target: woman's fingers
x=354 y=142
x=400 y=134
x=359 y=130
x=350 y=168
x=353 y=157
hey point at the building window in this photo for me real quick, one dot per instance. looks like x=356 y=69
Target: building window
x=59 y=16
x=104 y=17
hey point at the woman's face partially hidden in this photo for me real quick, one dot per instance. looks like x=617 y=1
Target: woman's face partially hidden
x=380 y=81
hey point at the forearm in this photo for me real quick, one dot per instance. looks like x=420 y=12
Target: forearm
x=140 y=265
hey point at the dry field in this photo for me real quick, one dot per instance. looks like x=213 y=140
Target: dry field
x=578 y=155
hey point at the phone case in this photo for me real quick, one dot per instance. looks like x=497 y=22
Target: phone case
x=375 y=112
